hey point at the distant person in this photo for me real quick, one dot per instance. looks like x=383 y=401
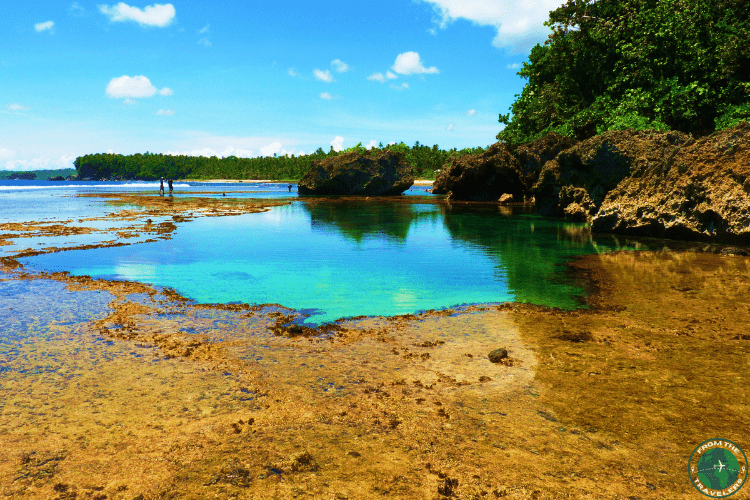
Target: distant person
x=169 y=182
x=290 y=188
x=161 y=187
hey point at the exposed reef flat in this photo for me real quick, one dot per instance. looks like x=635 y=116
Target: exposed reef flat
x=136 y=218
x=120 y=390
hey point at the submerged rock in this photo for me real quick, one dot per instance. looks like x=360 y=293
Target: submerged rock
x=352 y=174
x=699 y=192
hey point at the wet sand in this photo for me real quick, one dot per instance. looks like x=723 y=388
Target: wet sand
x=119 y=390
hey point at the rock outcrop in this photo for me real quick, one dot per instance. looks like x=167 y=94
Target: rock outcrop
x=496 y=172
x=576 y=182
x=352 y=174
x=634 y=182
x=699 y=192
x=481 y=177
x=534 y=155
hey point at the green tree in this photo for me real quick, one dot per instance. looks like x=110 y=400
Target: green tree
x=614 y=64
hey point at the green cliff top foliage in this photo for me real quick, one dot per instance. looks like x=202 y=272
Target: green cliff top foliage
x=617 y=64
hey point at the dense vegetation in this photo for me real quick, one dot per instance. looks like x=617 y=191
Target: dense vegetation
x=36 y=174
x=616 y=64
x=425 y=160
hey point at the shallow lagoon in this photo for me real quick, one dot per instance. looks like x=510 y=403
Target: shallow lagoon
x=334 y=258
x=116 y=389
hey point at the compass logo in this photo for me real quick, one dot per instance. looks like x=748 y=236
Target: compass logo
x=718 y=468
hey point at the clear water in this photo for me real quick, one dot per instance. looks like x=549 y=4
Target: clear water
x=337 y=258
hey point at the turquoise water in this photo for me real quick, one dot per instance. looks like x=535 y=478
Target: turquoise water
x=337 y=258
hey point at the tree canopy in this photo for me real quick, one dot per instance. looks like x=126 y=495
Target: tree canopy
x=615 y=64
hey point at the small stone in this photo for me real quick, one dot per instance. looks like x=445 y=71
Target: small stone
x=498 y=355
x=505 y=199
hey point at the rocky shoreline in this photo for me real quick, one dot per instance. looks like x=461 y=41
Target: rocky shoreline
x=599 y=403
x=630 y=182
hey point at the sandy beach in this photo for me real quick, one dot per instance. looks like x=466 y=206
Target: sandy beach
x=140 y=394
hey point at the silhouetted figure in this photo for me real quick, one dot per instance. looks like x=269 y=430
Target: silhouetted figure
x=169 y=182
x=161 y=187
x=290 y=188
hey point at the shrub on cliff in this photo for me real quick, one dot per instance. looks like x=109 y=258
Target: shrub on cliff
x=638 y=64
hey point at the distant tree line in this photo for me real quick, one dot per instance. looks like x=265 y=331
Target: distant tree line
x=36 y=174
x=426 y=161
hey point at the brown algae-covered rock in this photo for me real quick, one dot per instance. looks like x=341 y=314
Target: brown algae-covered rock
x=700 y=192
x=353 y=174
x=498 y=355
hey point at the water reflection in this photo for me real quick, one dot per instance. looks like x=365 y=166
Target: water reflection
x=528 y=251
x=343 y=257
x=356 y=220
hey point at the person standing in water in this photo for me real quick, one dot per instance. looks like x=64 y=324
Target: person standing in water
x=290 y=188
x=169 y=182
x=161 y=187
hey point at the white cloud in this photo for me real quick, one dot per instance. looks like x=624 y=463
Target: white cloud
x=207 y=152
x=449 y=128
x=6 y=154
x=271 y=149
x=340 y=66
x=519 y=25
x=46 y=26
x=76 y=10
x=409 y=63
x=326 y=95
x=166 y=112
x=133 y=87
x=128 y=102
x=291 y=72
x=403 y=86
x=159 y=15
x=204 y=29
x=471 y=112
x=380 y=77
x=205 y=42
x=338 y=143
x=14 y=106
x=45 y=163
x=323 y=76
x=513 y=66
x=371 y=145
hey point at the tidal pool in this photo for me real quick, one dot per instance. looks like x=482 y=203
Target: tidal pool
x=334 y=258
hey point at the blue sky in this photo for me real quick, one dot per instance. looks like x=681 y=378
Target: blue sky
x=256 y=78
